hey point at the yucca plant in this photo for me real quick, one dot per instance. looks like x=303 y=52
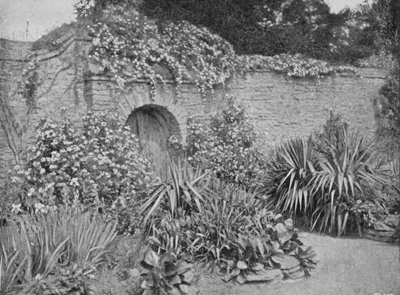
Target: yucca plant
x=179 y=196
x=341 y=173
x=289 y=174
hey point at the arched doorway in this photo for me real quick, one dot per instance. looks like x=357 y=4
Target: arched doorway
x=153 y=125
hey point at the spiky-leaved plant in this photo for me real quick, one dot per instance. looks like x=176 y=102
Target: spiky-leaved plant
x=339 y=175
x=66 y=245
x=289 y=174
x=179 y=195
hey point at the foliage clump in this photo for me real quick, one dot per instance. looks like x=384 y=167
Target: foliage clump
x=128 y=46
x=233 y=231
x=60 y=252
x=99 y=166
x=323 y=178
x=227 y=145
x=166 y=274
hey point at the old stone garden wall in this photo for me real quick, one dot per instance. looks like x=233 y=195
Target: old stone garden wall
x=282 y=107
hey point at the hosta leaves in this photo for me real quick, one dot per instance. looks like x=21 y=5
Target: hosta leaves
x=257 y=266
x=233 y=274
x=182 y=266
x=231 y=264
x=280 y=230
x=221 y=271
x=260 y=247
x=241 y=265
x=241 y=279
x=275 y=246
x=306 y=253
x=278 y=258
x=175 y=280
x=289 y=262
x=184 y=288
x=174 y=291
x=152 y=280
x=152 y=259
x=289 y=224
x=187 y=277
x=297 y=275
x=294 y=269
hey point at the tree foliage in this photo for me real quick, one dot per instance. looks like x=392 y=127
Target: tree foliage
x=257 y=26
x=388 y=105
x=271 y=27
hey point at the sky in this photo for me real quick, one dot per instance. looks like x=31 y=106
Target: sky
x=28 y=20
x=337 y=5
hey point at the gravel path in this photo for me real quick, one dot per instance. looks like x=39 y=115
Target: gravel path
x=347 y=266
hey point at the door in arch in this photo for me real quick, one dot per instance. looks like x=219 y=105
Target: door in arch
x=151 y=127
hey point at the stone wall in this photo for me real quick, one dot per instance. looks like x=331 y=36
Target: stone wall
x=282 y=107
x=287 y=107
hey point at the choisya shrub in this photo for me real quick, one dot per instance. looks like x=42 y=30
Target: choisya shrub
x=99 y=166
x=227 y=145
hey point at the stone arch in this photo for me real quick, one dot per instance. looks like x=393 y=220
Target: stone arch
x=164 y=99
x=153 y=125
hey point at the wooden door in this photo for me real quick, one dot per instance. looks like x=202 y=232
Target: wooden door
x=151 y=129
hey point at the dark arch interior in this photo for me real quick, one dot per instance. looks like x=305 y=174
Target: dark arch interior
x=153 y=125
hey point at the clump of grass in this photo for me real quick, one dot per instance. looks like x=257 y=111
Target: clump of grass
x=69 y=244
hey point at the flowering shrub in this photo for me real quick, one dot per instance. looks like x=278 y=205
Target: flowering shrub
x=99 y=166
x=227 y=146
x=129 y=46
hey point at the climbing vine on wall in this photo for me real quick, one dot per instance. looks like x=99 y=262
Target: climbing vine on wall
x=297 y=65
x=30 y=79
x=129 y=46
